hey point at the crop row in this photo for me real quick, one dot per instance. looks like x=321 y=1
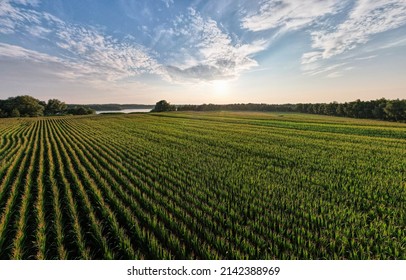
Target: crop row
x=206 y=186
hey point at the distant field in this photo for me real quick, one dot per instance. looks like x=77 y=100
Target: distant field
x=202 y=186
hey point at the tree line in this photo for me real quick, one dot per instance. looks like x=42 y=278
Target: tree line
x=28 y=106
x=115 y=107
x=381 y=109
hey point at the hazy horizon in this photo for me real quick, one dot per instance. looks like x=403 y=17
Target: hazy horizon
x=194 y=52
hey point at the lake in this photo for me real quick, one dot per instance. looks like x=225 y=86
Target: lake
x=126 y=111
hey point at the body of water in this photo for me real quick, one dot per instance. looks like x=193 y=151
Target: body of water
x=126 y=111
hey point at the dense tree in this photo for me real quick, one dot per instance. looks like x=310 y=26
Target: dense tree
x=24 y=106
x=340 y=110
x=378 y=109
x=163 y=106
x=80 y=110
x=394 y=110
x=55 y=107
x=28 y=106
x=330 y=109
x=15 y=113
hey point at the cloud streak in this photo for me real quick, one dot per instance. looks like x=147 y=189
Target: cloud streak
x=366 y=19
x=288 y=14
x=193 y=46
x=84 y=50
x=12 y=51
x=12 y=18
x=112 y=59
x=207 y=52
x=212 y=55
x=57 y=67
x=358 y=21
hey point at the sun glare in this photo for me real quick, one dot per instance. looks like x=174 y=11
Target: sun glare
x=221 y=87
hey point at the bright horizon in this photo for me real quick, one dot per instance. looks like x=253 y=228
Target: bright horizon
x=193 y=52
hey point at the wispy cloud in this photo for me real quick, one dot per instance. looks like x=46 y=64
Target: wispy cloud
x=288 y=14
x=110 y=58
x=53 y=66
x=311 y=57
x=168 y=3
x=363 y=20
x=395 y=43
x=200 y=42
x=317 y=69
x=366 y=19
x=84 y=49
x=209 y=53
x=204 y=51
x=12 y=51
x=12 y=18
x=366 y=57
x=26 y=2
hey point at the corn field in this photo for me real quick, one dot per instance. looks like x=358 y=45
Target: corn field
x=202 y=186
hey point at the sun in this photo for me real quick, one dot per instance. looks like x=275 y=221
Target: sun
x=220 y=87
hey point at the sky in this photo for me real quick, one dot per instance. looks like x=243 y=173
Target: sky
x=194 y=52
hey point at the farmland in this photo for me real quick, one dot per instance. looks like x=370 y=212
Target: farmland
x=202 y=186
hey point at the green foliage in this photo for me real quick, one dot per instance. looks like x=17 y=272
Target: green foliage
x=55 y=107
x=382 y=109
x=24 y=106
x=15 y=113
x=81 y=110
x=215 y=185
x=27 y=106
x=395 y=110
x=163 y=106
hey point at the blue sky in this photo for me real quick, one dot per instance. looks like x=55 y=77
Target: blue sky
x=271 y=51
